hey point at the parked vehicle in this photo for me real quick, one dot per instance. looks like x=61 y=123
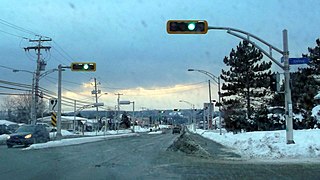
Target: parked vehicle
x=47 y=126
x=4 y=129
x=27 y=135
x=12 y=127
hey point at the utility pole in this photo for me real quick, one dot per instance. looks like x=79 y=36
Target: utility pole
x=96 y=92
x=210 y=108
x=118 y=111
x=40 y=67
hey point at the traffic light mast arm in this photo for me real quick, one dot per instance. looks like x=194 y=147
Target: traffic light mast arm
x=237 y=32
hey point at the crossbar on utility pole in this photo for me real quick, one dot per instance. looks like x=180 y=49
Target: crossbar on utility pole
x=38 y=48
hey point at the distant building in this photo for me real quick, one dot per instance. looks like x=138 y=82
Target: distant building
x=67 y=122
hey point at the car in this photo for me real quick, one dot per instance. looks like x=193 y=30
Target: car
x=27 y=135
x=12 y=127
x=176 y=129
x=4 y=129
x=47 y=126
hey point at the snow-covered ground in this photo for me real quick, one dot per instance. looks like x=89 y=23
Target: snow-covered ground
x=93 y=136
x=269 y=145
x=74 y=141
x=155 y=132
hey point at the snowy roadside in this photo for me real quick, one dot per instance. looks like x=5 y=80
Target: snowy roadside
x=269 y=145
x=75 y=141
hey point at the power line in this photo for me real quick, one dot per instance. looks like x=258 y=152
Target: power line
x=11 y=94
x=28 y=88
x=13 y=34
x=6 y=23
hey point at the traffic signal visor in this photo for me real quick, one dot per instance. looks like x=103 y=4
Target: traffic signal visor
x=187 y=27
x=83 y=66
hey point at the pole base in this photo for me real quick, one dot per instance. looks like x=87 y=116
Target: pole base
x=58 y=136
x=290 y=142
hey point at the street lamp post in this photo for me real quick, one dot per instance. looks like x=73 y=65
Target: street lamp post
x=192 y=110
x=33 y=113
x=216 y=80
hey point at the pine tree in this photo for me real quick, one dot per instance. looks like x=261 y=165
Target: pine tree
x=314 y=56
x=248 y=77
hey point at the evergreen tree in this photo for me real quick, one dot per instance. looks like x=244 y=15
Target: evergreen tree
x=304 y=87
x=247 y=79
x=314 y=56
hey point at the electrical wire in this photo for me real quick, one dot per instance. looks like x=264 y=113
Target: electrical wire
x=6 y=23
x=13 y=34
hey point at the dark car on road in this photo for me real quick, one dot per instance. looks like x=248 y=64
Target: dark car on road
x=4 y=129
x=27 y=135
x=176 y=129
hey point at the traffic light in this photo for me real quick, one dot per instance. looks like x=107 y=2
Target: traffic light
x=187 y=27
x=274 y=82
x=83 y=66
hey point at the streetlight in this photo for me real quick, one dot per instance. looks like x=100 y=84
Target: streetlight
x=192 y=110
x=216 y=80
x=34 y=92
x=33 y=104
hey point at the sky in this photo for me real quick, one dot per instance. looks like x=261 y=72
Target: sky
x=135 y=55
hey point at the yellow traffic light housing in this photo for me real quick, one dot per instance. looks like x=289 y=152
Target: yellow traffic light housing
x=83 y=66
x=187 y=27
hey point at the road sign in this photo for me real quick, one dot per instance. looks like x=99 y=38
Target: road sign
x=54 y=119
x=124 y=102
x=98 y=104
x=299 y=60
x=53 y=104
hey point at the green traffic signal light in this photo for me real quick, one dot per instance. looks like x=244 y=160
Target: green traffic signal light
x=83 y=66
x=187 y=27
x=191 y=26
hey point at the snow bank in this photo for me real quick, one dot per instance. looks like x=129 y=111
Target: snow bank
x=5 y=122
x=139 y=129
x=75 y=141
x=155 y=132
x=3 y=138
x=316 y=112
x=269 y=144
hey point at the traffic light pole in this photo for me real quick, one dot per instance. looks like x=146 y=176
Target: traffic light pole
x=60 y=69
x=285 y=68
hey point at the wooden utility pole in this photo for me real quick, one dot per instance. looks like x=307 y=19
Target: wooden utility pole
x=40 y=67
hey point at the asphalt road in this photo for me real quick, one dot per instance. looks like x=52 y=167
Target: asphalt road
x=142 y=157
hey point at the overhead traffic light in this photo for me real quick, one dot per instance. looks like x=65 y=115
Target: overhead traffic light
x=83 y=66
x=274 y=82
x=187 y=27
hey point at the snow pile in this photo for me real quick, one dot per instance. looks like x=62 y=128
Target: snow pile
x=5 y=122
x=140 y=129
x=269 y=144
x=161 y=126
x=155 y=132
x=108 y=132
x=316 y=112
x=3 y=138
x=75 y=141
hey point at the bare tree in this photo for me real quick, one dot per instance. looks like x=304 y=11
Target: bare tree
x=19 y=108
